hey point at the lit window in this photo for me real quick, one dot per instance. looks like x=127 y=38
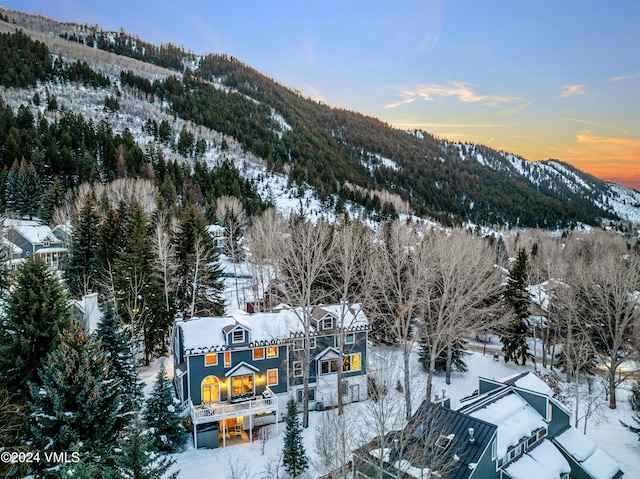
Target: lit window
x=297 y=368
x=258 y=353
x=349 y=338
x=351 y=362
x=210 y=389
x=211 y=359
x=242 y=385
x=272 y=352
x=272 y=377
x=227 y=359
x=238 y=336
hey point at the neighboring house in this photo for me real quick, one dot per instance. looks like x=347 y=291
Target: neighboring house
x=236 y=372
x=14 y=255
x=218 y=236
x=33 y=238
x=510 y=429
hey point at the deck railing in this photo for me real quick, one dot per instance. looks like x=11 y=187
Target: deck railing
x=217 y=411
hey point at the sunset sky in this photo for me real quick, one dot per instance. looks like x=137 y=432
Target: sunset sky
x=539 y=78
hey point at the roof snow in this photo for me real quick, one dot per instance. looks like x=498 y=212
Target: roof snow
x=200 y=334
x=595 y=461
x=513 y=416
x=530 y=382
x=542 y=462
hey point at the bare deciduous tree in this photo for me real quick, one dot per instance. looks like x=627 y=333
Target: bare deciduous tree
x=604 y=285
x=300 y=258
x=459 y=296
x=230 y=212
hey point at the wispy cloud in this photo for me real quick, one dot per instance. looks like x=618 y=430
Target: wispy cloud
x=458 y=90
x=599 y=125
x=625 y=77
x=452 y=125
x=571 y=90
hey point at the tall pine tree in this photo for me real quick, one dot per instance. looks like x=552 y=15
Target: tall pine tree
x=514 y=335
x=76 y=406
x=199 y=284
x=81 y=272
x=117 y=343
x=162 y=416
x=36 y=313
x=294 y=457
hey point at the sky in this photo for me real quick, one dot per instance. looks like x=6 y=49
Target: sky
x=539 y=78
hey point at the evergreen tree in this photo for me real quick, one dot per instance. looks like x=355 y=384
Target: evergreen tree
x=199 y=284
x=82 y=271
x=117 y=343
x=77 y=406
x=51 y=198
x=458 y=362
x=110 y=239
x=36 y=312
x=162 y=416
x=514 y=335
x=137 y=458
x=22 y=189
x=134 y=285
x=294 y=457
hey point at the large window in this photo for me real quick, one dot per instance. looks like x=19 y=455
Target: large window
x=272 y=377
x=242 y=385
x=211 y=359
x=351 y=362
x=210 y=389
x=328 y=366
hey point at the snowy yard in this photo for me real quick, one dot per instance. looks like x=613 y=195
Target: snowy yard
x=251 y=461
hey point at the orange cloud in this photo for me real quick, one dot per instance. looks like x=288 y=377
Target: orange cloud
x=608 y=157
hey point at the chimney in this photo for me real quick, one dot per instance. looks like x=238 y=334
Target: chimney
x=472 y=438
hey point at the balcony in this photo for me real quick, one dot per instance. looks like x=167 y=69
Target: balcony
x=209 y=412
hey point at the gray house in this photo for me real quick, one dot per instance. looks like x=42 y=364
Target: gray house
x=510 y=429
x=31 y=237
x=237 y=372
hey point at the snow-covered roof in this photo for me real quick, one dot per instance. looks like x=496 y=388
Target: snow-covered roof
x=34 y=233
x=600 y=465
x=528 y=468
x=513 y=416
x=593 y=460
x=548 y=455
x=12 y=248
x=540 y=294
x=528 y=381
x=204 y=334
x=576 y=444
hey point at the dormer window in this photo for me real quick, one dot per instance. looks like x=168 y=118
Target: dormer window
x=327 y=323
x=46 y=243
x=237 y=336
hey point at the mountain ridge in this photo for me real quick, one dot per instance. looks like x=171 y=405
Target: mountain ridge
x=331 y=148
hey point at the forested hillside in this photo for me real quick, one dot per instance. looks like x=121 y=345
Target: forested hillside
x=346 y=157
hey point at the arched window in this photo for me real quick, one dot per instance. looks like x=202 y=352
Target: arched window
x=210 y=389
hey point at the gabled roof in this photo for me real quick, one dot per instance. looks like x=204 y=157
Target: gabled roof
x=415 y=446
x=241 y=368
x=528 y=381
x=329 y=353
x=32 y=231
x=544 y=461
x=513 y=416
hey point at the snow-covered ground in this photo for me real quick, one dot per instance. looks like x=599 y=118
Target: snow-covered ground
x=259 y=460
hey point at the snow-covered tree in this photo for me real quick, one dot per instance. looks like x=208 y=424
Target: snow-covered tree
x=36 y=312
x=162 y=416
x=294 y=457
x=138 y=459
x=117 y=343
x=76 y=405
